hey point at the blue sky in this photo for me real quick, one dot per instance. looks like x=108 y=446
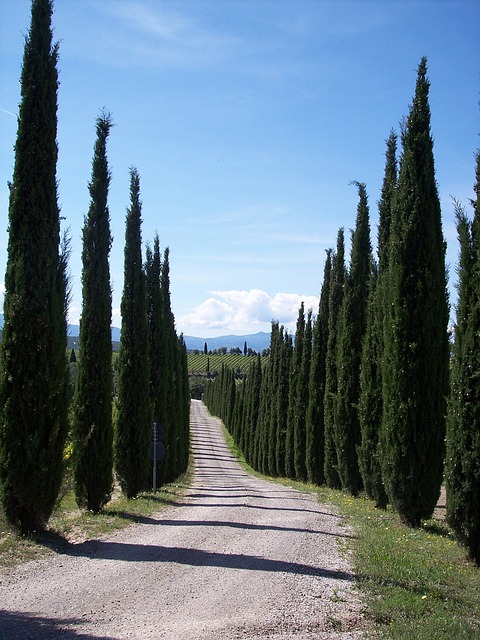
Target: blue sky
x=247 y=120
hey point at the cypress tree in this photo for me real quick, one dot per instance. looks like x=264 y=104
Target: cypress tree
x=93 y=429
x=184 y=405
x=463 y=426
x=281 y=393
x=133 y=429
x=335 y=301
x=315 y=437
x=34 y=382
x=416 y=349
x=273 y=364
x=370 y=404
x=294 y=393
x=352 y=327
x=156 y=331
x=168 y=367
x=299 y=432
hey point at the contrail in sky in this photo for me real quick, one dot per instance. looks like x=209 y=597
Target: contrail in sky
x=8 y=112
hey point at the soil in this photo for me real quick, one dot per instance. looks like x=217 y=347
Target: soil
x=236 y=558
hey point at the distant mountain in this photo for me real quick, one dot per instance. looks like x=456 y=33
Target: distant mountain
x=256 y=341
x=73 y=331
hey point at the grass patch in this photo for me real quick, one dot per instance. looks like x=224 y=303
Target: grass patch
x=69 y=525
x=417 y=583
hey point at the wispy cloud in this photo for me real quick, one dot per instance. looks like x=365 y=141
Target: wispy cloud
x=149 y=35
x=240 y=311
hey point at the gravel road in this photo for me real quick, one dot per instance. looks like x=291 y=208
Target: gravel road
x=235 y=558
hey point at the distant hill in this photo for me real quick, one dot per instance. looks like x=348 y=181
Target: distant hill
x=255 y=341
x=73 y=331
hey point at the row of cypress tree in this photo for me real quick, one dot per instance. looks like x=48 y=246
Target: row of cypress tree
x=34 y=377
x=360 y=401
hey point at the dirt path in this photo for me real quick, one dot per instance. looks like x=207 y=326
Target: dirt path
x=237 y=558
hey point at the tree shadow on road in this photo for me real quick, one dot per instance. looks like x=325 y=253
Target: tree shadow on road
x=16 y=625
x=126 y=552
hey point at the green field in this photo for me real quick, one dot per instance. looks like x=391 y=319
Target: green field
x=201 y=363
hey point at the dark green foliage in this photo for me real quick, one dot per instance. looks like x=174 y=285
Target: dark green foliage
x=156 y=330
x=281 y=392
x=274 y=368
x=34 y=383
x=134 y=417
x=183 y=407
x=294 y=394
x=371 y=401
x=386 y=201
x=352 y=325
x=173 y=401
x=335 y=301
x=416 y=349
x=463 y=426
x=93 y=429
x=315 y=439
x=167 y=365
x=300 y=420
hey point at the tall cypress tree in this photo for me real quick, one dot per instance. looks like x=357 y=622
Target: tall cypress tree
x=416 y=349
x=335 y=301
x=133 y=428
x=156 y=328
x=371 y=403
x=281 y=393
x=93 y=429
x=273 y=363
x=168 y=370
x=315 y=437
x=294 y=393
x=463 y=430
x=300 y=419
x=352 y=327
x=34 y=378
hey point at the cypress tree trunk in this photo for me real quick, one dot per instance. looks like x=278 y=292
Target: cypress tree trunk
x=463 y=426
x=415 y=373
x=133 y=429
x=334 y=307
x=353 y=321
x=93 y=429
x=34 y=382
x=371 y=404
x=315 y=438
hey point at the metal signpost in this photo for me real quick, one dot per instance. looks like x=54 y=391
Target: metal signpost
x=157 y=450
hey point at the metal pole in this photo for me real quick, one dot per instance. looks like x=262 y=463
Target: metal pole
x=154 y=456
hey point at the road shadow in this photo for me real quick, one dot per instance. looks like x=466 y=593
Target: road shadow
x=126 y=552
x=248 y=526
x=16 y=625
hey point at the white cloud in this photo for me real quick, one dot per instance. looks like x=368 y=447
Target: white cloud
x=243 y=312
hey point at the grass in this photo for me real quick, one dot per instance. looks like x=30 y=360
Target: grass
x=416 y=584
x=69 y=525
